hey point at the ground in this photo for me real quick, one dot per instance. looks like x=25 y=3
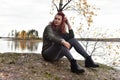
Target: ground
x=31 y=66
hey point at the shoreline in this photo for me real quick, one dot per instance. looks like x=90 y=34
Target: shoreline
x=79 y=39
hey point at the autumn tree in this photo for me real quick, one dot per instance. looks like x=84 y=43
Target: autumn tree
x=23 y=34
x=85 y=14
x=32 y=33
x=84 y=11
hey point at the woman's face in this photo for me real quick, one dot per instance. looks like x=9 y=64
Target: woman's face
x=57 y=20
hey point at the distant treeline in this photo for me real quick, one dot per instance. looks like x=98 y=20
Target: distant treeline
x=85 y=39
x=100 y=39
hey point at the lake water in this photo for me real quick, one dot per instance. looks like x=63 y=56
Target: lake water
x=20 y=46
x=101 y=55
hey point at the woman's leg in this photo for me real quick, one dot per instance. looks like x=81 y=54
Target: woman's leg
x=74 y=43
x=88 y=60
x=75 y=68
x=55 y=52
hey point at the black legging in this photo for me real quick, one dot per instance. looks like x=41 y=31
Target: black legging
x=57 y=51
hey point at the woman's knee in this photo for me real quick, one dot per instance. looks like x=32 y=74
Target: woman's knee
x=64 y=49
x=73 y=41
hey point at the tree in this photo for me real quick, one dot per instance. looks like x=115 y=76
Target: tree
x=23 y=34
x=83 y=10
x=61 y=6
x=32 y=34
x=86 y=12
x=82 y=7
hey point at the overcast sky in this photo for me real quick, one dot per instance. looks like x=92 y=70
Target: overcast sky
x=35 y=14
x=23 y=14
x=109 y=12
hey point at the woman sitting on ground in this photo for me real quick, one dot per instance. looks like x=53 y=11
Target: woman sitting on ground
x=57 y=43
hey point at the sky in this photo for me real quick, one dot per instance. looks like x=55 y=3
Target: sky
x=23 y=15
x=109 y=14
x=35 y=14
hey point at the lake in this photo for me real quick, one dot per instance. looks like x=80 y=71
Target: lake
x=20 y=46
x=101 y=55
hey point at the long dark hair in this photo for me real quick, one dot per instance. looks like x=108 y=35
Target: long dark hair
x=62 y=26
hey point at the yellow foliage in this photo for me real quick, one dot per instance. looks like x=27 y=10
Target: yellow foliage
x=23 y=34
x=82 y=7
x=23 y=45
x=109 y=46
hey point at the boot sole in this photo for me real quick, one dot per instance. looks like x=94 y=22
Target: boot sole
x=92 y=66
x=78 y=72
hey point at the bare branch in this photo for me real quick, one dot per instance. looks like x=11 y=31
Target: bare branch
x=55 y=5
x=66 y=4
x=94 y=48
x=60 y=5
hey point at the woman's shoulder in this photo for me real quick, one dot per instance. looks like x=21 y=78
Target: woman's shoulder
x=49 y=24
x=48 y=27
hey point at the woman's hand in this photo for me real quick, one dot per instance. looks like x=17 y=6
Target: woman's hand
x=66 y=44
x=67 y=22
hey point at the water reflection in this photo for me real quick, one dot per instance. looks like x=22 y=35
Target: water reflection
x=25 y=44
x=19 y=45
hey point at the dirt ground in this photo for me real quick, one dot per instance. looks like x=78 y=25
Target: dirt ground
x=31 y=66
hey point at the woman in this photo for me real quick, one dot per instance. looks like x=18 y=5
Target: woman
x=57 y=43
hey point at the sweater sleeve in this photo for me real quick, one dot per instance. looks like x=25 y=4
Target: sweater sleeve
x=51 y=36
x=69 y=35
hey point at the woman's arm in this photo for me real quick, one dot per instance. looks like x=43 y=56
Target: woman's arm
x=68 y=24
x=49 y=34
x=66 y=44
x=71 y=33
